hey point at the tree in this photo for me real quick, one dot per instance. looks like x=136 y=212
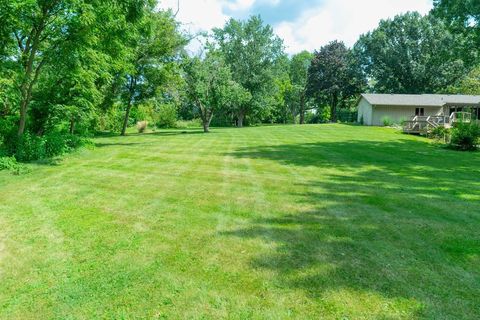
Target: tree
x=462 y=16
x=33 y=32
x=251 y=49
x=299 y=75
x=285 y=101
x=411 y=54
x=470 y=84
x=155 y=43
x=210 y=86
x=333 y=76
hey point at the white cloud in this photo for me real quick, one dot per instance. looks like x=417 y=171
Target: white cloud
x=239 y=5
x=342 y=20
x=332 y=19
x=197 y=16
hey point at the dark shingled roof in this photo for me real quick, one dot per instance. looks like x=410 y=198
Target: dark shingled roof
x=420 y=100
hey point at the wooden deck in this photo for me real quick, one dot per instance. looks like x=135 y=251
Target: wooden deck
x=424 y=124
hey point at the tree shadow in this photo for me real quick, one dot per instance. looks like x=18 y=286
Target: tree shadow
x=397 y=219
x=116 y=144
x=171 y=132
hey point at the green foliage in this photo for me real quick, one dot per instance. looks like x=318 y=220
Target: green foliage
x=210 y=86
x=334 y=76
x=462 y=17
x=439 y=133
x=188 y=124
x=298 y=72
x=470 y=84
x=347 y=115
x=319 y=115
x=30 y=147
x=166 y=116
x=155 y=44
x=111 y=120
x=411 y=54
x=387 y=121
x=54 y=50
x=252 y=51
x=465 y=136
x=11 y=164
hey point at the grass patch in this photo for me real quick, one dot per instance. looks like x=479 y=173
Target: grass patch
x=320 y=221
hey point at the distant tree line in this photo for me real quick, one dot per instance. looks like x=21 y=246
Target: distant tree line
x=69 y=69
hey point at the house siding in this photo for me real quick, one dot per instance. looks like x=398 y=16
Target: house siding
x=364 y=112
x=399 y=113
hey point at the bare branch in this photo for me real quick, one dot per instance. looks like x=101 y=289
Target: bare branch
x=178 y=9
x=20 y=42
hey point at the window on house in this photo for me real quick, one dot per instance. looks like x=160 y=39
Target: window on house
x=420 y=112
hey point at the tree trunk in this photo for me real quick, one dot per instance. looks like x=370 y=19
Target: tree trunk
x=26 y=92
x=206 y=116
x=133 y=82
x=241 y=116
x=127 y=115
x=206 y=124
x=29 y=52
x=302 y=109
x=23 y=117
x=72 y=126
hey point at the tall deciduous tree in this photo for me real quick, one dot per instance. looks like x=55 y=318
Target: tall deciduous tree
x=411 y=54
x=462 y=16
x=251 y=49
x=299 y=75
x=333 y=76
x=156 y=42
x=33 y=32
x=470 y=84
x=210 y=86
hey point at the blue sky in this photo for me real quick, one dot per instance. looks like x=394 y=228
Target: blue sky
x=302 y=24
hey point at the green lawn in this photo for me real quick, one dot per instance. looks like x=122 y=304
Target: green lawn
x=321 y=221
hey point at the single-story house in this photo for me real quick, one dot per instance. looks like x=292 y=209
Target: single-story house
x=373 y=109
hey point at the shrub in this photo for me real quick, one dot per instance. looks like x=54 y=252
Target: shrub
x=142 y=126
x=111 y=120
x=186 y=124
x=30 y=147
x=347 y=115
x=11 y=164
x=387 y=122
x=166 y=116
x=465 y=136
x=55 y=144
x=439 y=133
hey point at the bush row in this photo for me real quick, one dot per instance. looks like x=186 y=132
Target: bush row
x=30 y=147
x=11 y=164
x=463 y=136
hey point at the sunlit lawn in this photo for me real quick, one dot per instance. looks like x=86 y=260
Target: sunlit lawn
x=321 y=221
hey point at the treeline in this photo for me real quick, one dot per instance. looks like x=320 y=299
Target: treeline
x=69 y=69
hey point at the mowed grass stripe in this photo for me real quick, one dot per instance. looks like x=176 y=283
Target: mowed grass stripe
x=321 y=221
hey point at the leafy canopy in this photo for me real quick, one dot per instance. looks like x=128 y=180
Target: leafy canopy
x=411 y=54
x=251 y=49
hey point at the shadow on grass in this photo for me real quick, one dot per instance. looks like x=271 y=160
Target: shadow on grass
x=397 y=219
x=116 y=144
